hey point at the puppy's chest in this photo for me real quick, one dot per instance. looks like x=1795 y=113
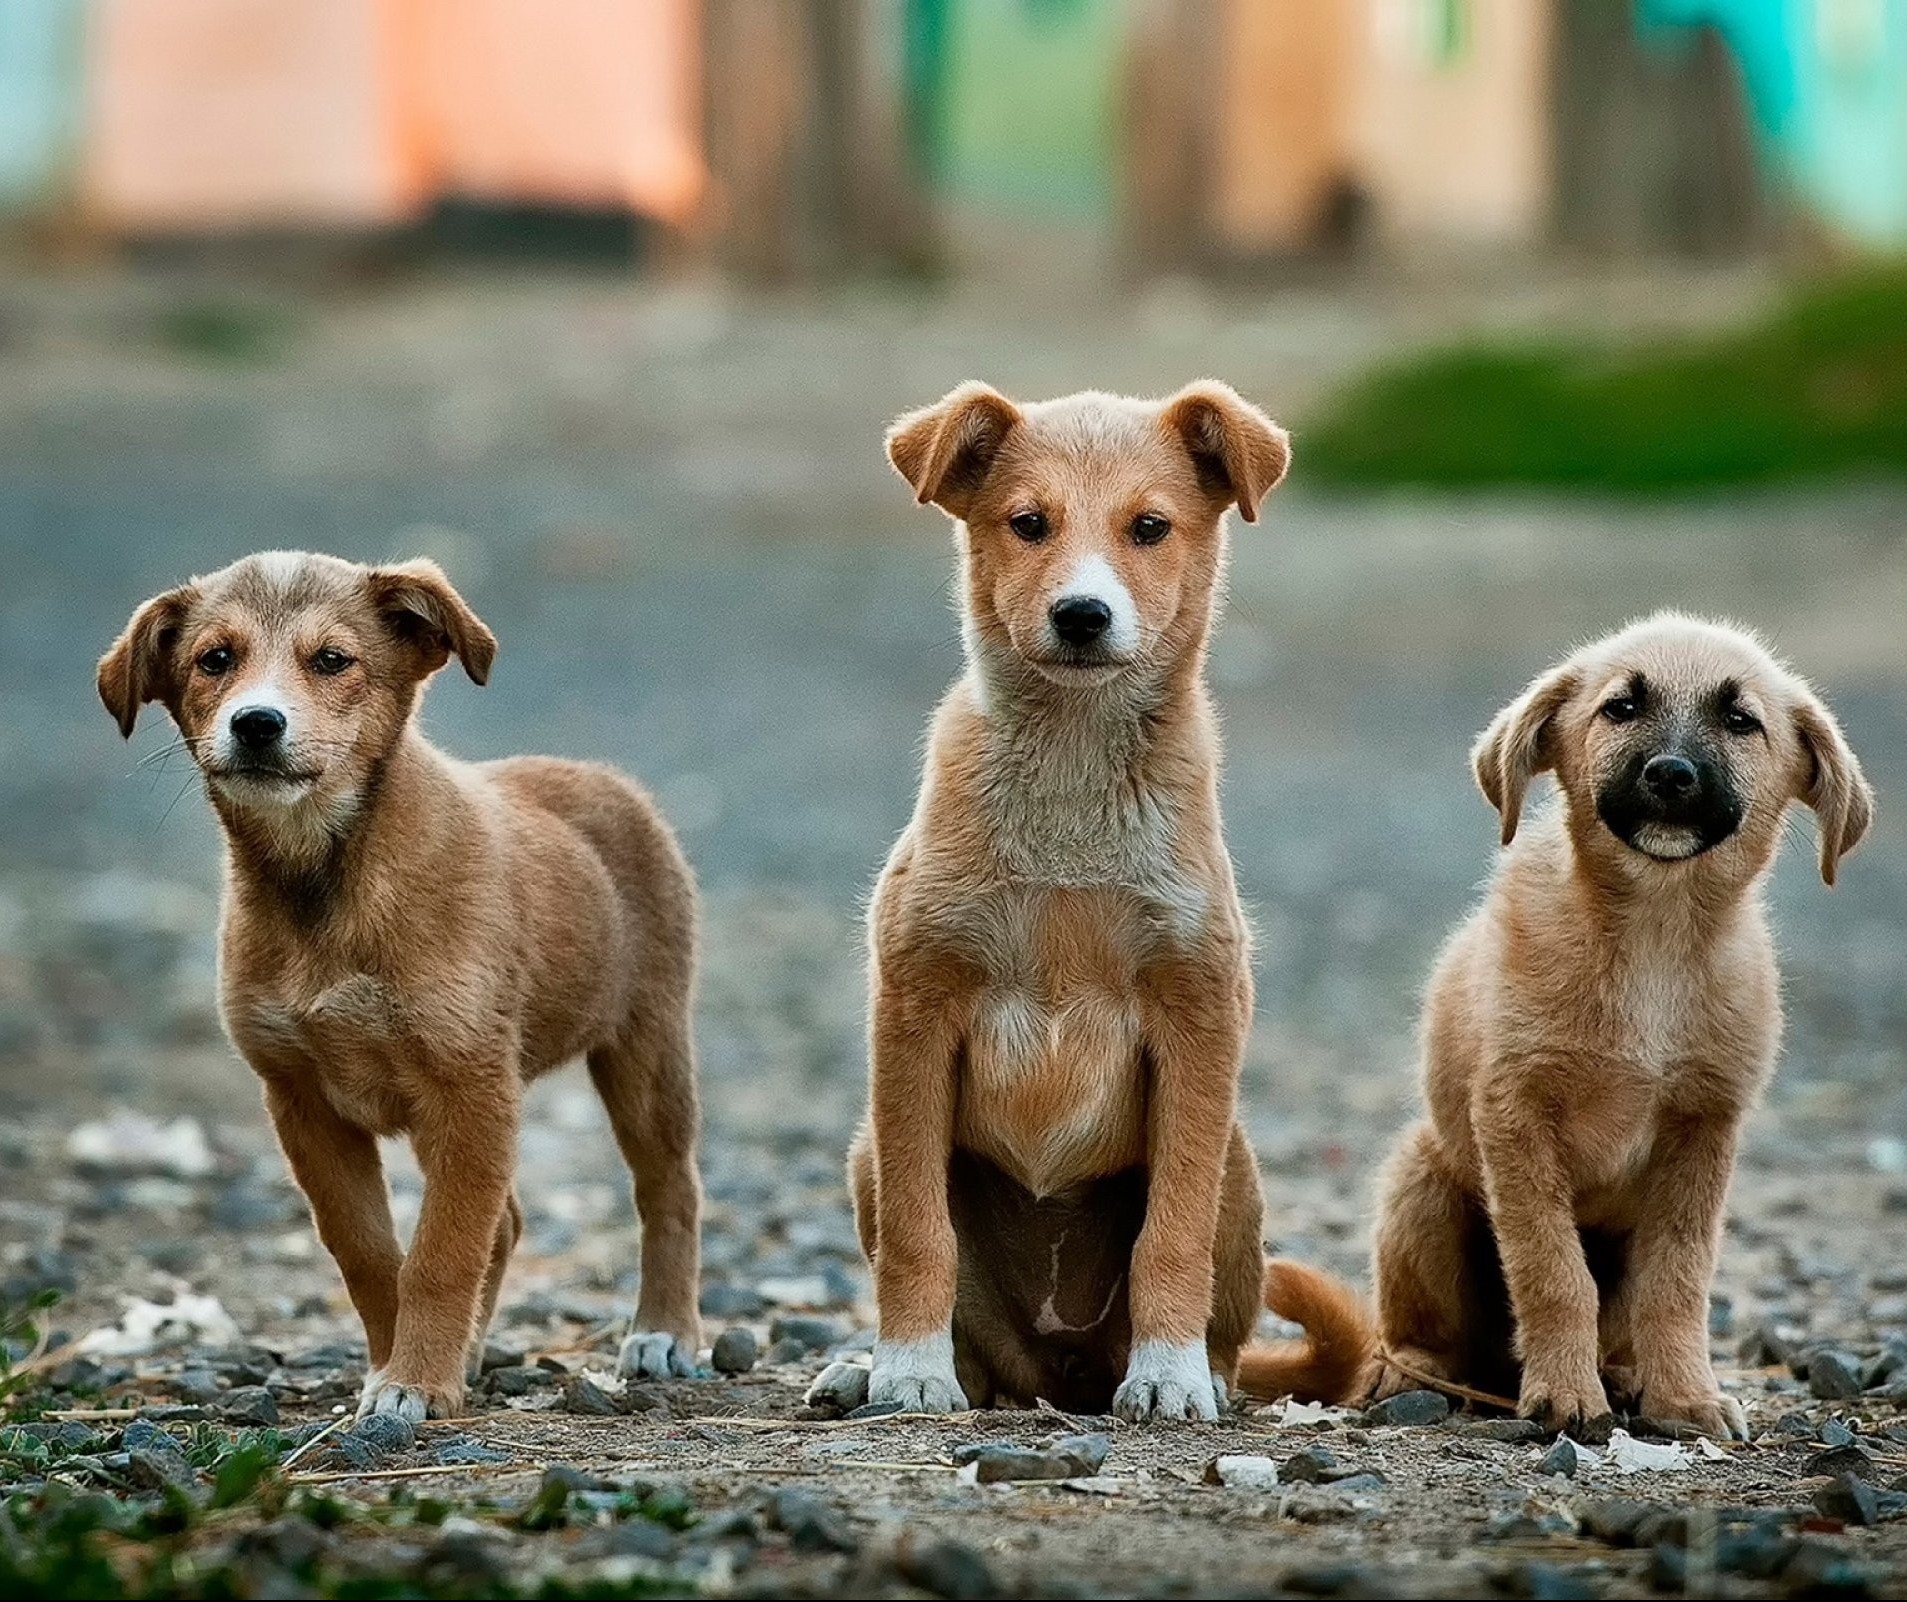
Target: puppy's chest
x=1052 y=1084
x=353 y=1036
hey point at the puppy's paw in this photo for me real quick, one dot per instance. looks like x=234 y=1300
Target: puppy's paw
x=413 y=1403
x=841 y=1386
x=1165 y=1380
x=1577 y=1407
x=655 y=1354
x=918 y=1375
x=1717 y=1416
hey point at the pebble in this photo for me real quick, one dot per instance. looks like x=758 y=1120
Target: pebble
x=732 y=1301
x=517 y=1379
x=1242 y=1472
x=1562 y=1458
x=998 y=1461
x=1835 y=1433
x=1849 y=1499
x=1312 y=1466
x=1833 y=1376
x=946 y=1568
x=1546 y=1582
x=736 y=1350
x=809 y=1522
x=840 y=1386
x=1622 y=1521
x=1822 y=1569
x=812 y=1334
x=583 y=1395
x=1410 y=1408
x=1515 y=1431
x=1088 y=1452
x=249 y=1404
x=878 y=1410
x=1845 y=1458
x=784 y=1352
x=382 y=1434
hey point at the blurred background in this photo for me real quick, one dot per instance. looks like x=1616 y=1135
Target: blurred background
x=1576 y=308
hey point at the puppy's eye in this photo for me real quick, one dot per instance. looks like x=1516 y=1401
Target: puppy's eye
x=1148 y=528
x=1739 y=720
x=1030 y=526
x=217 y=662
x=330 y=661
x=1623 y=709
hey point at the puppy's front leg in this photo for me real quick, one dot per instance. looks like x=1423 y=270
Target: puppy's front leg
x=338 y=1168
x=465 y=1138
x=913 y=1037
x=1671 y=1264
x=1195 y=1021
x=1552 y=1293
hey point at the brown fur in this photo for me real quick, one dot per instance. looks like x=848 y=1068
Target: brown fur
x=1051 y=1180
x=407 y=940
x=1593 y=1037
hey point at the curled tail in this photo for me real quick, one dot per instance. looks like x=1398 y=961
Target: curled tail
x=1332 y=1362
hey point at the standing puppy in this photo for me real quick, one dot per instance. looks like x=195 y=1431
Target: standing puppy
x=1593 y=1036
x=1051 y=1183
x=407 y=940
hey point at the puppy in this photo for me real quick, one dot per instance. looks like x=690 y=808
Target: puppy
x=1051 y=1184
x=1594 y=1034
x=407 y=940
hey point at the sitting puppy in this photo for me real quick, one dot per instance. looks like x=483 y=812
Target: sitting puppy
x=407 y=940
x=1594 y=1035
x=1051 y=1183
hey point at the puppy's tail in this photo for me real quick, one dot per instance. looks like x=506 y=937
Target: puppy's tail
x=1332 y=1362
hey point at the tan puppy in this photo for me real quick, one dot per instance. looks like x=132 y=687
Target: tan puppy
x=406 y=940
x=1051 y=1183
x=1593 y=1037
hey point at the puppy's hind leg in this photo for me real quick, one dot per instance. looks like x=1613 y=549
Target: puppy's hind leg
x=1422 y=1273
x=646 y=1079
x=509 y=1232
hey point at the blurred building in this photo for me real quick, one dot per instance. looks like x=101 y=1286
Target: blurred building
x=801 y=137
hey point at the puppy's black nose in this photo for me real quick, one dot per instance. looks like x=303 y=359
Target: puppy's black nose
x=258 y=727
x=1080 y=619
x=1671 y=777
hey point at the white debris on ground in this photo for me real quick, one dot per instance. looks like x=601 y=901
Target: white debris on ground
x=150 y=1326
x=130 y=1142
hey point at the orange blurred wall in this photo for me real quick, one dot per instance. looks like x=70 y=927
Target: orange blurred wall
x=210 y=114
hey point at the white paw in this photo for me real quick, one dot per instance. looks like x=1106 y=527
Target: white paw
x=654 y=1354
x=919 y=1375
x=411 y=1403
x=840 y=1385
x=1164 y=1380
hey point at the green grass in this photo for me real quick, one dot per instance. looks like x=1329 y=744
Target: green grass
x=1818 y=389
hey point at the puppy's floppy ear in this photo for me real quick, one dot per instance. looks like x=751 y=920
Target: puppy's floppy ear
x=1516 y=746
x=424 y=611
x=1240 y=453
x=139 y=666
x=945 y=450
x=1831 y=782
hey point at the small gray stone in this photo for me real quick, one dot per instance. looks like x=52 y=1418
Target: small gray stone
x=1844 y=1459
x=1562 y=1458
x=1833 y=1376
x=810 y=1523
x=784 y=1352
x=1412 y=1408
x=199 y=1385
x=461 y=1449
x=383 y=1434
x=583 y=1395
x=997 y=1461
x=732 y=1301
x=249 y=1404
x=946 y=1568
x=1849 y=1499
x=1309 y=1467
x=878 y=1410
x=1511 y=1431
x=1088 y=1452
x=736 y=1350
x=813 y=1334
x=1835 y=1433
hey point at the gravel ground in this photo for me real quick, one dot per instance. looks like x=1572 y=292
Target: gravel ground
x=672 y=508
